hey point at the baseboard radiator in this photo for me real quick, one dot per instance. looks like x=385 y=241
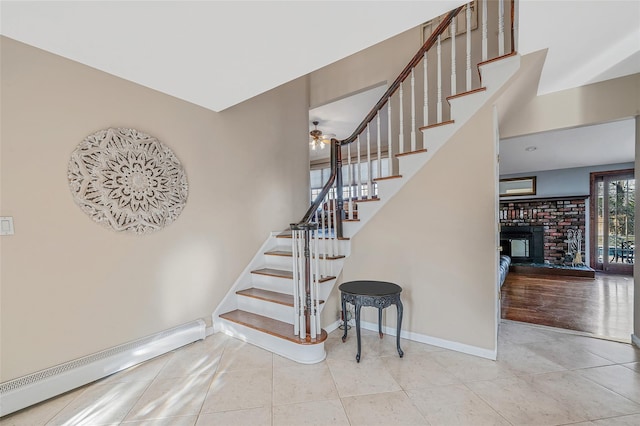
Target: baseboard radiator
x=27 y=390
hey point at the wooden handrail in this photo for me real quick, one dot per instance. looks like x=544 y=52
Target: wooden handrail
x=335 y=153
x=403 y=75
x=336 y=144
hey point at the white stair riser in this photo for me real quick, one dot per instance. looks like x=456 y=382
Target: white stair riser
x=278 y=262
x=304 y=354
x=265 y=308
x=281 y=285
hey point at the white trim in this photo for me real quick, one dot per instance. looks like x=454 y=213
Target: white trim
x=27 y=390
x=434 y=341
x=333 y=326
x=303 y=354
x=635 y=340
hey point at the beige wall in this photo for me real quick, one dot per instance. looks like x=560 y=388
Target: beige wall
x=636 y=265
x=70 y=287
x=592 y=104
x=443 y=252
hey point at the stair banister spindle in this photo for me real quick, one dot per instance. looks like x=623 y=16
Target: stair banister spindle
x=403 y=75
x=307 y=284
x=296 y=280
x=389 y=141
x=379 y=147
x=350 y=203
x=468 y=74
x=515 y=26
x=339 y=188
x=369 y=182
x=413 y=111
x=401 y=115
x=484 y=31
x=359 y=169
x=500 y=27
x=454 y=76
x=312 y=294
x=425 y=111
x=439 y=82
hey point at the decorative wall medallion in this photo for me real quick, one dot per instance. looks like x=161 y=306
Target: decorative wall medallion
x=127 y=180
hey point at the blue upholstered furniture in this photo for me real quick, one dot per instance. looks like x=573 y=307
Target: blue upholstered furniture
x=503 y=270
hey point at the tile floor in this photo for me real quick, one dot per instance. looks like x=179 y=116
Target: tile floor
x=542 y=377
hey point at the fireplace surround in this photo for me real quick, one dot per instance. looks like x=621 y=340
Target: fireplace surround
x=524 y=244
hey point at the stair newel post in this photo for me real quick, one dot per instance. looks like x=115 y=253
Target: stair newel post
x=307 y=284
x=336 y=155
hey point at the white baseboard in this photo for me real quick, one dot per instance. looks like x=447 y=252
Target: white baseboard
x=27 y=390
x=434 y=341
x=333 y=326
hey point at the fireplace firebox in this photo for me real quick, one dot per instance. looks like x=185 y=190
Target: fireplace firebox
x=524 y=244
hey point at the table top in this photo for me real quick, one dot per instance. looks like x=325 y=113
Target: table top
x=370 y=288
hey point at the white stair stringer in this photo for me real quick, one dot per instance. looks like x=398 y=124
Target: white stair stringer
x=494 y=75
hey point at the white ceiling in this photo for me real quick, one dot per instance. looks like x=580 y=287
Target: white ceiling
x=219 y=53
x=608 y=143
x=211 y=53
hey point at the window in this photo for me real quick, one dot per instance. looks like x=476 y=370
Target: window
x=352 y=186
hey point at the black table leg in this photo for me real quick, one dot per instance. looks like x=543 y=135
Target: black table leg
x=399 y=308
x=358 y=329
x=344 y=317
x=380 y=322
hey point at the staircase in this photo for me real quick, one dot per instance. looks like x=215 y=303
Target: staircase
x=277 y=300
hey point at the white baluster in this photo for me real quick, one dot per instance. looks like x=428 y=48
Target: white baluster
x=379 y=146
x=296 y=278
x=516 y=25
x=389 y=141
x=350 y=202
x=413 y=111
x=500 y=27
x=330 y=221
x=313 y=264
x=301 y=286
x=425 y=112
x=369 y=182
x=468 y=13
x=324 y=219
x=439 y=82
x=453 y=55
x=401 y=111
x=359 y=170
x=484 y=30
x=334 y=238
x=316 y=298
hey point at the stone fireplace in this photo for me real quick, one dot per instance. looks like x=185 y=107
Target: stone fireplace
x=535 y=230
x=524 y=244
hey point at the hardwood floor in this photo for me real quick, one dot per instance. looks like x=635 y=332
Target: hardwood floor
x=602 y=306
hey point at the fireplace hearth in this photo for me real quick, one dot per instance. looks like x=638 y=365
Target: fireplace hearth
x=524 y=244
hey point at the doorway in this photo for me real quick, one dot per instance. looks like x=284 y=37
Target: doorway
x=612 y=221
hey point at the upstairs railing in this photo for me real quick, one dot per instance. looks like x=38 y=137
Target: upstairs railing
x=390 y=130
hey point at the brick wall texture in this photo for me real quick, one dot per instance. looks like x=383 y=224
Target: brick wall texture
x=557 y=217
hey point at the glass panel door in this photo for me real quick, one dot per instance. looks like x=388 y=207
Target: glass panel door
x=614 y=222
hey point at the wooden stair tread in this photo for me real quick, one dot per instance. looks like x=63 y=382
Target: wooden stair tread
x=430 y=126
x=269 y=296
x=419 y=151
x=272 y=272
x=287 y=253
x=470 y=92
x=280 y=273
x=279 y=253
x=270 y=326
x=388 y=177
x=340 y=239
x=365 y=200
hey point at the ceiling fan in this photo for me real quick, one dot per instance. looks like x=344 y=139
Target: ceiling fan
x=319 y=139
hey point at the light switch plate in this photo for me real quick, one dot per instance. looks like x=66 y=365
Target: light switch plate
x=6 y=225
